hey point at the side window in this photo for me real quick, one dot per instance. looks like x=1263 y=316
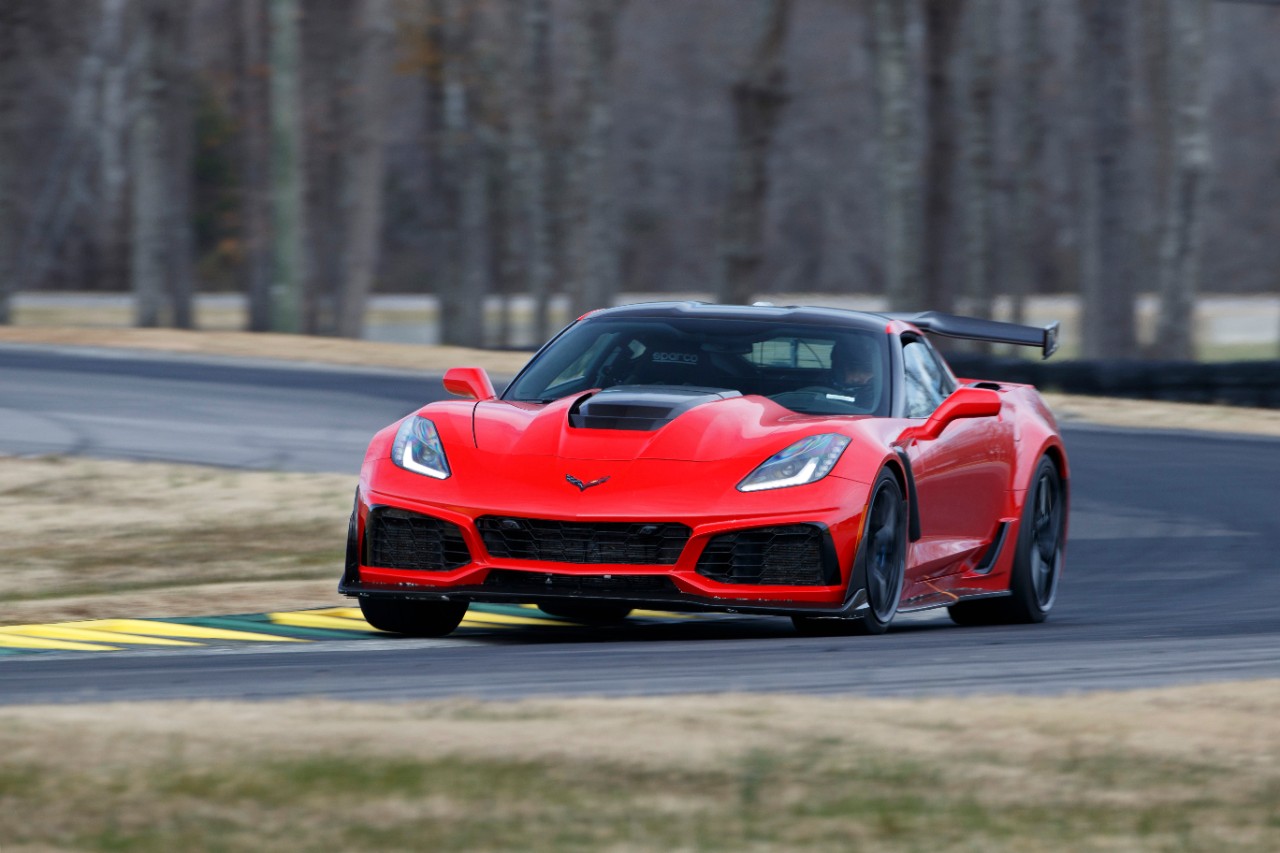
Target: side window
x=926 y=382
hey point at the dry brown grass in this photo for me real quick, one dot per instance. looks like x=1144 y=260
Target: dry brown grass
x=87 y=538
x=286 y=347
x=1181 y=769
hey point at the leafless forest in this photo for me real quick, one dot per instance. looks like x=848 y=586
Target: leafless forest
x=950 y=154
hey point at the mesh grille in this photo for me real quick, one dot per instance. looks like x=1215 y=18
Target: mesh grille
x=633 y=543
x=609 y=585
x=770 y=556
x=396 y=539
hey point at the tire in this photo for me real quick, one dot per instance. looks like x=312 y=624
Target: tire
x=591 y=612
x=1037 y=560
x=413 y=618
x=880 y=566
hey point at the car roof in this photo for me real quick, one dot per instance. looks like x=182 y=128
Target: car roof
x=797 y=314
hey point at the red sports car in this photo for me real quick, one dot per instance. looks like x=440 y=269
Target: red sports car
x=815 y=463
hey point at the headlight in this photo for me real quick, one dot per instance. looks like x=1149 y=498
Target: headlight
x=803 y=462
x=417 y=448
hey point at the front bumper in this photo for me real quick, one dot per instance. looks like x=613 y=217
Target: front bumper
x=674 y=584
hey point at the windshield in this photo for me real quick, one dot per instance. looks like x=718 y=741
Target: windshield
x=808 y=369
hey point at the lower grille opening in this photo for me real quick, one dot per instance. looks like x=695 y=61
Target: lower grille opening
x=791 y=555
x=627 y=543
x=398 y=539
x=622 y=586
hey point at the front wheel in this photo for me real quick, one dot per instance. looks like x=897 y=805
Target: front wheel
x=881 y=565
x=413 y=618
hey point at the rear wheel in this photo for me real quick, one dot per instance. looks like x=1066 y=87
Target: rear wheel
x=592 y=612
x=413 y=618
x=1037 y=563
x=881 y=565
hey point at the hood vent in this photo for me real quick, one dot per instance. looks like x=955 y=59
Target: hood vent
x=641 y=407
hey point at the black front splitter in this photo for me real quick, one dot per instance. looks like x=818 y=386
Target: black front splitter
x=854 y=608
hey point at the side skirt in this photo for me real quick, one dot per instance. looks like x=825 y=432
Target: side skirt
x=933 y=602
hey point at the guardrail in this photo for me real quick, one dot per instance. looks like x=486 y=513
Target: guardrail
x=1235 y=383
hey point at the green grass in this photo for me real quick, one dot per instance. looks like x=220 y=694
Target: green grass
x=776 y=797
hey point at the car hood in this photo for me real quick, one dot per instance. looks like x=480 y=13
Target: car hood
x=685 y=424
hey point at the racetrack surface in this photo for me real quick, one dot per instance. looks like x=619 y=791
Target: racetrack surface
x=1171 y=572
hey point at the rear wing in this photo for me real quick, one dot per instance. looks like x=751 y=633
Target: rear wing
x=973 y=329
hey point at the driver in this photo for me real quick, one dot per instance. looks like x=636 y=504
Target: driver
x=853 y=361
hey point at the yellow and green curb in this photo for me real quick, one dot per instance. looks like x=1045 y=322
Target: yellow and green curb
x=295 y=626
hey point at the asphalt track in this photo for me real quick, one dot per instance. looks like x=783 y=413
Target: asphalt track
x=1172 y=574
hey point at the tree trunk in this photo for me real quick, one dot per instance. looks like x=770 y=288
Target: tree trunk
x=1159 y=140
x=179 y=118
x=287 y=174
x=979 y=196
x=942 y=23
x=111 y=220
x=152 y=193
x=366 y=158
x=464 y=289
x=1031 y=130
x=1184 y=200
x=326 y=74
x=901 y=173
x=593 y=267
x=255 y=155
x=13 y=32
x=759 y=97
x=1107 y=287
x=530 y=126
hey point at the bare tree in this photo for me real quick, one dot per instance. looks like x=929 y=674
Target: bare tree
x=254 y=104
x=464 y=288
x=326 y=76
x=151 y=158
x=759 y=97
x=593 y=269
x=365 y=157
x=110 y=207
x=530 y=170
x=1184 y=199
x=978 y=126
x=1107 y=280
x=942 y=25
x=179 y=123
x=288 y=177
x=901 y=172
x=1031 y=128
x=13 y=31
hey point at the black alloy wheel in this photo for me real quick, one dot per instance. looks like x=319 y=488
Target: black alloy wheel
x=880 y=566
x=1037 y=563
x=413 y=618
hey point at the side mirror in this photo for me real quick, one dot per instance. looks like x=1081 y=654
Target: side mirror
x=963 y=403
x=470 y=382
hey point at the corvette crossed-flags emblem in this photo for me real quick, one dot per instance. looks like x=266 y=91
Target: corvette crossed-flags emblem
x=582 y=487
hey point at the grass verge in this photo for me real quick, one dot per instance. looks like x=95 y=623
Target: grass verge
x=90 y=538
x=1183 y=769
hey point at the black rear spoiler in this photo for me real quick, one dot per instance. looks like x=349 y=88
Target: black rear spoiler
x=973 y=329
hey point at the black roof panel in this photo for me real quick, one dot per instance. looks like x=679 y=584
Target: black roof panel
x=808 y=315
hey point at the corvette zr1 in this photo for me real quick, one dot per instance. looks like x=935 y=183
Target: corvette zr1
x=815 y=463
